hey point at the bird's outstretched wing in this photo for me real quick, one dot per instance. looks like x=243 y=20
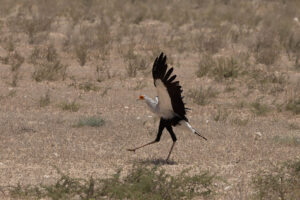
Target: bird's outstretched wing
x=169 y=91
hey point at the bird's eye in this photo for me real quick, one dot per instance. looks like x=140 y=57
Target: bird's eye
x=142 y=97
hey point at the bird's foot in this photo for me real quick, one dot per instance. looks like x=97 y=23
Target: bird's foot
x=132 y=150
x=170 y=162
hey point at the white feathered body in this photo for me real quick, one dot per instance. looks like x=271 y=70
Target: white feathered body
x=154 y=106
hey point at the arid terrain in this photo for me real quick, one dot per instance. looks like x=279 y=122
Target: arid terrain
x=71 y=73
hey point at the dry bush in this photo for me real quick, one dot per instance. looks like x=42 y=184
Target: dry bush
x=36 y=27
x=220 y=68
x=268 y=82
x=221 y=114
x=140 y=183
x=15 y=60
x=209 y=41
x=102 y=41
x=240 y=122
x=88 y=86
x=140 y=84
x=204 y=65
x=81 y=51
x=70 y=106
x=33 y=19
x=213 y=43
x=266 y=47
x=293 y=103
x=94 y=121
x=282 y=23
x=9 y=43
x=6 y=7
x=135 y=62
x=225 y=68
x=277 y=31
x=259 y=108
x=94 y=38
x=47 y=64
x=102 y=73
x=287 y=140
x=15 y=78
x=281 y=182
x=202 y=96
x=297 y=61
x=41 y=53
x=50 y=71
x=44 y=100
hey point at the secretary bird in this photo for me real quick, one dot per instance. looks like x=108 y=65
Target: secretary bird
x=168 y=105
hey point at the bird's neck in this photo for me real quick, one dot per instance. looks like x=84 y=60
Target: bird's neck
x=151 y=104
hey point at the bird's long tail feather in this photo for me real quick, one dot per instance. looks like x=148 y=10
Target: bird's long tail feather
x=194 y=130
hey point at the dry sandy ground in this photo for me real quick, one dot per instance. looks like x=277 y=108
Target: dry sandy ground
x=35 y=140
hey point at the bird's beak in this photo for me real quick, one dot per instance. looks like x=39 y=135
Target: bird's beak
x=141 y=98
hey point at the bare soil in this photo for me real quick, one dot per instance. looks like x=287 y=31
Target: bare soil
x=35 y=140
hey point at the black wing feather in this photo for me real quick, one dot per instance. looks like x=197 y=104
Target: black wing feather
x=172 y=78
x=174 y=89
x=168 y=74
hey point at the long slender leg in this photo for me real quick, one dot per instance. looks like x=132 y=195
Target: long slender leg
x=170 y=130
x=142 y=146
x=162 y=125
x=170 y=151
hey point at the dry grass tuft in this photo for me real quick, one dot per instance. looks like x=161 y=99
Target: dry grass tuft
x=47 y=64
x=220 y=68
x=88 y=86
x=202 y=96
x=140 y=183
x=45 y=100
x=95 y=121
x=70 y=106
x=280 y=183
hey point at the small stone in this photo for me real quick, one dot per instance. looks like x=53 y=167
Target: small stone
x=2 y=164
x=227 y=188
x=258 y=134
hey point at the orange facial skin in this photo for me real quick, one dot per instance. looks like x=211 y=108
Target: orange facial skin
x=141 y=97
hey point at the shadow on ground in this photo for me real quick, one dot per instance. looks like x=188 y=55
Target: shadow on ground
x=156 y=161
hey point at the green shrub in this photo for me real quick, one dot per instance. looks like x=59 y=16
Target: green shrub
x=141 y=183
x=95 y=121
x=279 y=183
